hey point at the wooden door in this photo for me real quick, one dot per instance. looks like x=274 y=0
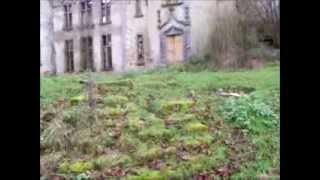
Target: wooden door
x=174 y=49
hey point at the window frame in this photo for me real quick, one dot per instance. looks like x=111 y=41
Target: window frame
x=106 y=45
x=69 y=56
x=105 y=12
x=68 y=24
x=86 y=14
x=140 y=50
x=87 y=53
x=138 y=9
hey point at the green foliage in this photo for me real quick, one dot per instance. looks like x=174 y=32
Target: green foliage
x=195 y=64
x=248 y=112
x=76 y=167
x=176 y=106
x=115 y=100
x=114 y=112
x=155 y=130
x=147 y=175
x=72 y=116
x=135 y=124
x=83 y=176
x=154 y=85
x=145 y=152
x=196 y=127
x=101 y=162
x=77 y=99
x=181 y=117
x=124 y=82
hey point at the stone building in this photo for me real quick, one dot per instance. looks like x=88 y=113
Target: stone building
x=119 y=35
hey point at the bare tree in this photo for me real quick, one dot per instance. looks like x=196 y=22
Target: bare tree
x=265 y=14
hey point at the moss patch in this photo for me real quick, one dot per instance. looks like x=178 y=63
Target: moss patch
x=196 y=127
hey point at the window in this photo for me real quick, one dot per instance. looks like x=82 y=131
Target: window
x=87 y=62
x=67 y=17
x=171 y=2
x=105 y=11
x=69 y=64
x=86 y=13
x=138 y=9
x=140 y=50
x=106 y=52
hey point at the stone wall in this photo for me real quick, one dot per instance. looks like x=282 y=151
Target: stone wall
x=115 y=29
x=134 y=26
x=46 y=36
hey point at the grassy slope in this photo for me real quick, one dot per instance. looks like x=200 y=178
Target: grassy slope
x=262 y=80
x=166 y=86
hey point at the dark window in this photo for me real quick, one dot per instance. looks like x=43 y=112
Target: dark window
x=86 y=13
x=67 y=17
x=105 y=12
x=69 y=62
x=87 y=61
x=171 y=2
x=138 y=9
x=106 y=52
x=140 y=50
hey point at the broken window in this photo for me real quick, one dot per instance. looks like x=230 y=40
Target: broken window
x=69 y=64
x=138 y=9
x=140 y=50
x=87 y=62
x=67 y=17
x=106 y=52
x=86 y=13
x=105 y=11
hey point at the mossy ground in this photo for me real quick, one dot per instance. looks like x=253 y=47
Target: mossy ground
x=156 y=124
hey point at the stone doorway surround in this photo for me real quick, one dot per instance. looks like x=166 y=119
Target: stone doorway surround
x=174 y=27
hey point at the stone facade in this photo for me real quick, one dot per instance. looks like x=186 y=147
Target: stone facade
x=159 y=27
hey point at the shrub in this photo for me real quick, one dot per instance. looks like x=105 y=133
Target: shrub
x=248 y=112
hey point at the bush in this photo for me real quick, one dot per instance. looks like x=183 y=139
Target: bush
x=248 y=112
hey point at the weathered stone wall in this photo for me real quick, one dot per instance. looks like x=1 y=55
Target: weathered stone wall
x=153 y=33
x=134 y=26
x=46 y=36
x=115 y=29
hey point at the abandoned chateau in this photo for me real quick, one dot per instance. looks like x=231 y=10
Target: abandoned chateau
x=119 y=35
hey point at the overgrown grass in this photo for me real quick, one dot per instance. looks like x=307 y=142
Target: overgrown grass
x=163 y=123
